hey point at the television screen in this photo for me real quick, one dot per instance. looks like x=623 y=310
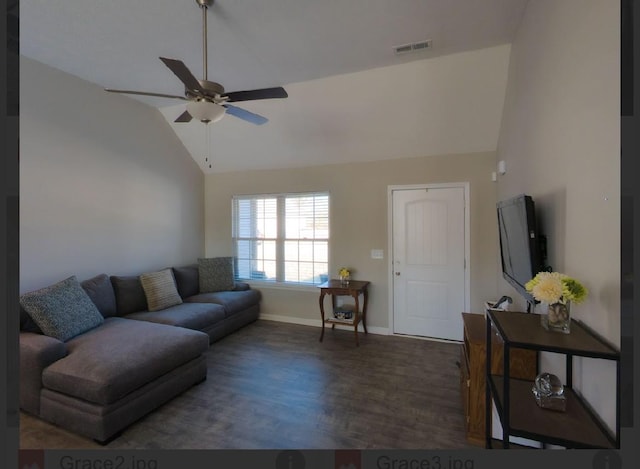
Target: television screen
x=519 y=242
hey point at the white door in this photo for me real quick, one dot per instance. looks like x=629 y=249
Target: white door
x=428 y=261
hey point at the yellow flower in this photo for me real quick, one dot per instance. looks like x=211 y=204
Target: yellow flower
x=548 y=289
x=344 y=272
x=555 y=287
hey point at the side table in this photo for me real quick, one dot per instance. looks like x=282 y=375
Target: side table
x=353 y=288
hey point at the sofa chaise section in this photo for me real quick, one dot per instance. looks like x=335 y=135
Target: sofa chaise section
x=118 y=372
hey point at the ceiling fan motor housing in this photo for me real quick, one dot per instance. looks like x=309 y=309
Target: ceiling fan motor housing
x=211 y=89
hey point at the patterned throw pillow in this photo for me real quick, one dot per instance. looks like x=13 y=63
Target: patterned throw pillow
x=216 y=274
x=62 y=310
x=160 y=290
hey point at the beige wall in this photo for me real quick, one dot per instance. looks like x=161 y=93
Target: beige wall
x=359 y=221
x=105 y=185
x=560 y=140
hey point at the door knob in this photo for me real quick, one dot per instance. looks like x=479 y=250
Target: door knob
x=398 y=274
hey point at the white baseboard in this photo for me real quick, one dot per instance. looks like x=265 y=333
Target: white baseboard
x=317 y=323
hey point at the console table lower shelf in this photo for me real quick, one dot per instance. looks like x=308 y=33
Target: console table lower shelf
x=574 y=428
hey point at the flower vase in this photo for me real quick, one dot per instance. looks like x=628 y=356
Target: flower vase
x=344 y=280
x=557 y=317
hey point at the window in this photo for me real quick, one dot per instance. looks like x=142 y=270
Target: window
x=282 y=238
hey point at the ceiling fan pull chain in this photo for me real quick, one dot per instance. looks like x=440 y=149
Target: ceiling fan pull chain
x=208 y=144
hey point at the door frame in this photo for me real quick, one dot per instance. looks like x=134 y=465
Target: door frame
x=467 y=242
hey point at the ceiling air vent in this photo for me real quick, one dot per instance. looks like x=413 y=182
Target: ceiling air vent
x=413 y=47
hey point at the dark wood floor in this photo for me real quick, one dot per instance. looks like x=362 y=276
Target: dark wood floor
x=272 y=385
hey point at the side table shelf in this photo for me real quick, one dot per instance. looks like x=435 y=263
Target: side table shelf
x=575 y=428
x=345 y=322
x=578 y=426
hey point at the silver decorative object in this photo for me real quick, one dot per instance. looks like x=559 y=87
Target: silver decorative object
x=549 y=392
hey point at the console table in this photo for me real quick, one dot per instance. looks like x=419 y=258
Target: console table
x=353 y=288
x=578 y=426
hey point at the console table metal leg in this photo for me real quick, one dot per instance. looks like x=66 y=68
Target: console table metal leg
x=487 y=401
x=506 y=398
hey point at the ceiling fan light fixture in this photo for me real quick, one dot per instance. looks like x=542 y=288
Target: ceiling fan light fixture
x=206 y=111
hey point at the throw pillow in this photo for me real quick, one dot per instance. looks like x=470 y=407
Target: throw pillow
x=100 y=291
x=216 y=274
x=187 y=280
x=62 y=310
x=27 y=324
x=130 y=297
x=160 y=290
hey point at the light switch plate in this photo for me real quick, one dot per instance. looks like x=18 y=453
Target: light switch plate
x=377 y=254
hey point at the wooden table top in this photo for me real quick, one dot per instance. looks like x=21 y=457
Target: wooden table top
x=336 y=284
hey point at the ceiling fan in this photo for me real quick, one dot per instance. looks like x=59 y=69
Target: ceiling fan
x=207 y=100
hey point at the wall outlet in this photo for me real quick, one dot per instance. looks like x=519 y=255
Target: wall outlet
x=377 y=254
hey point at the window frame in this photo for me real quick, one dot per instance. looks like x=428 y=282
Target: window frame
x=280 y=239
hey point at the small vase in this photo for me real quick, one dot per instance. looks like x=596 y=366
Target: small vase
x=557 y=318
x=344 y=280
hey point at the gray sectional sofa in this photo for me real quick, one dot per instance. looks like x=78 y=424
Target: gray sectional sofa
x=101 y=380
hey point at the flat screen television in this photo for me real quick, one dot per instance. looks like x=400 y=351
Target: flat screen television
x=521 y=250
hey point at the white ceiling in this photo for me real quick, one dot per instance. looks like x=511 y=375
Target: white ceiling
x=252 y=43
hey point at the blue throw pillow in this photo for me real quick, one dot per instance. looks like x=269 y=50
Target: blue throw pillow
x=216 y=274
x=62 y=310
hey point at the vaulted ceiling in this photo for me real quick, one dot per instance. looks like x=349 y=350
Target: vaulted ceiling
x=256 y=44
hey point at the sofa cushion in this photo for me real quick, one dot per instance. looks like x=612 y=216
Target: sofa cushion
x=62 y=310
x=197 y=316
x=241 y=286
x=100 y=291
x=187 y=280
x=160 y=289
x=232 y=301
x=120 y=356
x=216 y=274
x=129 y=293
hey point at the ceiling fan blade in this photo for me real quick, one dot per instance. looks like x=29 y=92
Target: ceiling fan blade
x=264 y=93
x=245 y=115
x=144 y=93
x=183 y=73
x=184 y=117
